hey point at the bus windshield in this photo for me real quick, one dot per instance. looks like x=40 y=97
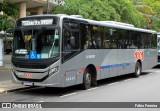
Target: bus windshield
x=36 y=44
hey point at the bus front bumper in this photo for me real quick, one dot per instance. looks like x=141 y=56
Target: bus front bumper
x=48 y=82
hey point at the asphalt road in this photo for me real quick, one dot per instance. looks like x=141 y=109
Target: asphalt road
x=126 y=88
x=5 y=75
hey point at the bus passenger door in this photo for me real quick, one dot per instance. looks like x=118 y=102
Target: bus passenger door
x=71 y=52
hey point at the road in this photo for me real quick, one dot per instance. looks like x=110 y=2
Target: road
x=146 y=88
x=5 y=75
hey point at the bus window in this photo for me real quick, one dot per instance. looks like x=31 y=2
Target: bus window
x=113 y=38
x=100 y=37
x=71 y=40
x=122 y=39
x=106 y=39
x=153 y=40
x=89 y=39
x=133 y=42
x=71 y=36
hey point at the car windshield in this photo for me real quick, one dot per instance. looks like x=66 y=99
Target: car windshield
x=36 y=44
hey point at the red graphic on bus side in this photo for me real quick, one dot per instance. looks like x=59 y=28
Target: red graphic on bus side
x=139 y=55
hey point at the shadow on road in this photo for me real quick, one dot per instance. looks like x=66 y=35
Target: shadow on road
x=157 y=67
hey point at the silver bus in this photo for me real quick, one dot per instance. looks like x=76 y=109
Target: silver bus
x=62 y=50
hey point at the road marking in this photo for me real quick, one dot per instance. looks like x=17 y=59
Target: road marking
x=68 y=94
x=41 y=101
x=92 y=89
x=2 y=90
x=113 y=83
x=127 y=79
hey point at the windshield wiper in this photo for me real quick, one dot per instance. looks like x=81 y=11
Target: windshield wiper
x=22 y=32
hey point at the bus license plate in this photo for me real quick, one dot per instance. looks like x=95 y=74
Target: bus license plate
x=28 y=75
x=28 y=83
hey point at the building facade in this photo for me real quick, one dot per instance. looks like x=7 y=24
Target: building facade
x=34 y=7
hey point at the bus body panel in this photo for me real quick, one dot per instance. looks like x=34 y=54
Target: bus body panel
x=125 y=61
x=73 y=69
x=150 y=59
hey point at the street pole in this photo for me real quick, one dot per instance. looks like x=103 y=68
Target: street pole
x=48 y=10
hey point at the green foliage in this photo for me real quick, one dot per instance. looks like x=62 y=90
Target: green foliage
x=5 y=23
x=155 y=19
x=95 y=9
x=10 y=10
x=102 y=10
x=128 y=12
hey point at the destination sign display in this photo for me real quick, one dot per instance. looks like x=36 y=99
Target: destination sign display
x=37 y=22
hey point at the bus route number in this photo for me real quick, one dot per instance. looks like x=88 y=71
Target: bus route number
x=139 y=55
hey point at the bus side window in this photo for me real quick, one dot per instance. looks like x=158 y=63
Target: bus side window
x=106 y=40
x=67 y=45
x=71 y=36
x=74 y=40
x=88 y=44
x=113 y=38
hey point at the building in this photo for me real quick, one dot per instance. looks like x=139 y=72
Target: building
x=34 y=7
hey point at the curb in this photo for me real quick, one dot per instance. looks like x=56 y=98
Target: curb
x=5 y=67
x=18 y=89
x=15 y=89
x=9 y=86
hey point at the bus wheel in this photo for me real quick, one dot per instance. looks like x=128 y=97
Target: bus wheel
x=138 y=70
x=86 y=79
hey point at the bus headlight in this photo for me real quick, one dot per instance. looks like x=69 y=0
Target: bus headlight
x=53 y=70
x=12 y=69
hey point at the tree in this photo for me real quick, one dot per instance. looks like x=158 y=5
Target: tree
x=10 y=11
x=155 y=6
x=88 y=9
x=128 y=12
x=103 y=10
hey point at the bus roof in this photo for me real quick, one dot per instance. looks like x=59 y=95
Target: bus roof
x=158 y=33
x=113 y=24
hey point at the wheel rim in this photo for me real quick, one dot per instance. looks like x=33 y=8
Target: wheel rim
x=138 y=70
x=88 y=79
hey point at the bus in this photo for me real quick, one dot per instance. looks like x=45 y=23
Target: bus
x=66 y=50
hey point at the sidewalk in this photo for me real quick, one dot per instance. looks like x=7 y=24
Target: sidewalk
x=8 y=85
x=6 y=62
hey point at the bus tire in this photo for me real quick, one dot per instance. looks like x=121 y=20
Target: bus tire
x=138 y=69
x=86 y=79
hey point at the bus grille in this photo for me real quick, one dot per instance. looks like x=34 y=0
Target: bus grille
x=30 y=66
x=33 y=64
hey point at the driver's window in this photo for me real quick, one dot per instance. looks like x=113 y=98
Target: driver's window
x=71 y=36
